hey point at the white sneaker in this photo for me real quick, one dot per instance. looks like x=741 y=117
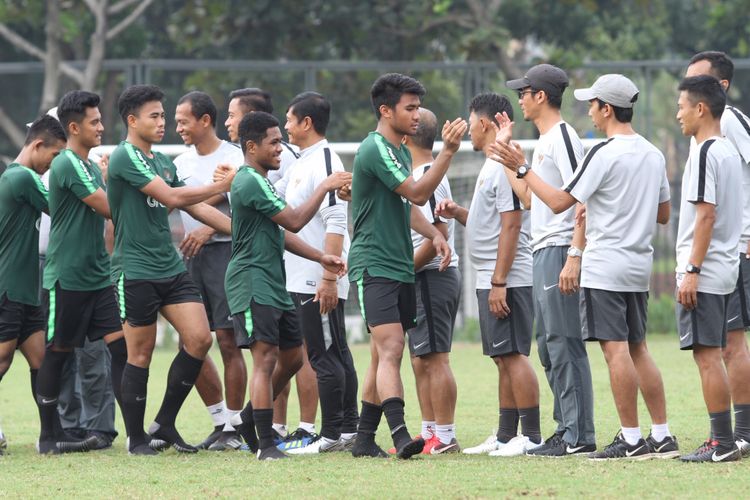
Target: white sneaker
x=320 y=445
x=742 y=444
x=491 y=444
x=517 y=446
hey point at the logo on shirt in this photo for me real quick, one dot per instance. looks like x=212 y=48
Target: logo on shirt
x=154 y=203
x=167 y=175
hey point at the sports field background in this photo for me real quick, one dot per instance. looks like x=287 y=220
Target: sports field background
x=112 y=473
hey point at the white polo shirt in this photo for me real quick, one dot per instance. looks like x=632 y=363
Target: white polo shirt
x=735 y=126
x=493 y=196
x=713 y=174
x=557 y=154
x=289 y=155
x=302 y=275
x=442 y=192
x=195 y=169
x=622 y=182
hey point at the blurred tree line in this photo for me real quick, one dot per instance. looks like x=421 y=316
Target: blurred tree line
x=512 y=34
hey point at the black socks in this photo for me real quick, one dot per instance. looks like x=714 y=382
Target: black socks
x=47 y=390
x=133 y=404
x=507 y=427
x=529 y=418
x=181 y=378
x=393 y=409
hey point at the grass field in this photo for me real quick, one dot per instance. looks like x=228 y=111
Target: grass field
x=112 y=473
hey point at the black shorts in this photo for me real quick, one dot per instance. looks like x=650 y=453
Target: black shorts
x=706 y=325
x=207 y=270
x=319 y=331
x=75 y=315
x=512 y=334
x=438 y=294
x=140 y=300
x=268 y=324
x=618 y=316
x=18 y=321
x=383 y=301
x=738 y=309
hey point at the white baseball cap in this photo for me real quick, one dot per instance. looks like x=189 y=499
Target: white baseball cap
x=614 y=89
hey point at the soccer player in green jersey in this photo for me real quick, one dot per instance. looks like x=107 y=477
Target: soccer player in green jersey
x=382 y=257
x=264 y=315
x=77 y=282
x=151 y=278
x=23 y=197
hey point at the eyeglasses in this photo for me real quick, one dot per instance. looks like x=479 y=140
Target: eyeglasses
x=522 y=93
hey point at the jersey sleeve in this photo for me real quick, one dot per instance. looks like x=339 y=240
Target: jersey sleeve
x=29 y=189
x=505 y=199
x=132 y=167
x=735 y=126
x=384 y=165
x=567 y=152
x=332 y=209
x=74 y=176
x=701 y=185
x=586 y=181
x=263 y=198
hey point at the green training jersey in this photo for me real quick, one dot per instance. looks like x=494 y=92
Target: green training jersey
x=76 y=256
x=256 y=269
x=143 y=239
x=22 y=199
x=381 y=244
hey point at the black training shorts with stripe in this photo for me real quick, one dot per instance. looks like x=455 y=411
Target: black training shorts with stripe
x=141 y=299
x=75 y=315
x=438 y=295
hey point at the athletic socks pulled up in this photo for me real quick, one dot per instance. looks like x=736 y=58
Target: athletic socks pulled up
x=134 y=387
x=529 y=418
x=48 y=390
x=507 y=427
x=119 y=357
x=180 y=381
x=263 y=418
x=364 y=442
x=393 y=409
x=721 y=428
x=742 y=421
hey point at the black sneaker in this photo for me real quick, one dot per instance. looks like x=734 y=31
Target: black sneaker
x=142 y=449
x=411 y=448
x=271 y=453
x=711 y=451
x=620 y=449
x=212 y=438
x=666 y=448
x=64 y=444
x=102 y=441
x=562 y=449
x=171 y=436
x=364 y=447
x=551 y=442
x=229 y=440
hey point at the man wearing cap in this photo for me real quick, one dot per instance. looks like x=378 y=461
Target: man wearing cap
x=624 y=185
x=557 y=261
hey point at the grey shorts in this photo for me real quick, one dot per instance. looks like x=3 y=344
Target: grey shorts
x=556 y=314
x=738 y=309
x=706 y=325
x=207 y=269
x=438 y=295
x=618 y=316
x=512 y=334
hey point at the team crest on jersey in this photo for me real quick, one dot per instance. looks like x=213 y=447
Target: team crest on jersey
x=167 y=175
x=539 y=158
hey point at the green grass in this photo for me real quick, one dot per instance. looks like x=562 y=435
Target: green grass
x=112 y=473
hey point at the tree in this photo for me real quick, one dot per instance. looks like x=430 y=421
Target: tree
x=110 y=20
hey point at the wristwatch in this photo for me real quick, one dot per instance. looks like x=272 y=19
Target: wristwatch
x=523 y=170
x=574 y=252
x=692 y=269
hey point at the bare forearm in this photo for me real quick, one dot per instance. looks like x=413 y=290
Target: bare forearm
x=507 y=246
x=424 y=254
x=333 y=245
x=704 y=226
x=305 y=212
x=190 y=195
x=519 y=187
x=211 y=217
x=556 y=199
x=297 y=246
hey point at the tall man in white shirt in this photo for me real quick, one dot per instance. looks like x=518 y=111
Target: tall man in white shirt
x=319 y=295
x=497 y=229
x=707 y=259
x=624 y=185
x=557 y=263
x=735 y=126
x=206 y=254
x=438 y=294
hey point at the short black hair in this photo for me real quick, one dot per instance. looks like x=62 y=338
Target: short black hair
x=314 y=105
x=554 y=100
x=200 y=104
x=253 y=99
x=73 y=106
x=134 y=97
x=721 y=65
x=622 y=115
x=254 y=127
x=488 y=104
x=706 y=89
x=389 y=88
x=424 y=137
x=48 y=129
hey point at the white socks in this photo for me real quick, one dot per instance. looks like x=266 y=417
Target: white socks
x=446 y=433
x=632 y=435
x=218 y=413
x=428 y=429
x=659 y=432
x=309 y=427
x=280 y=429
x=228 y=427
